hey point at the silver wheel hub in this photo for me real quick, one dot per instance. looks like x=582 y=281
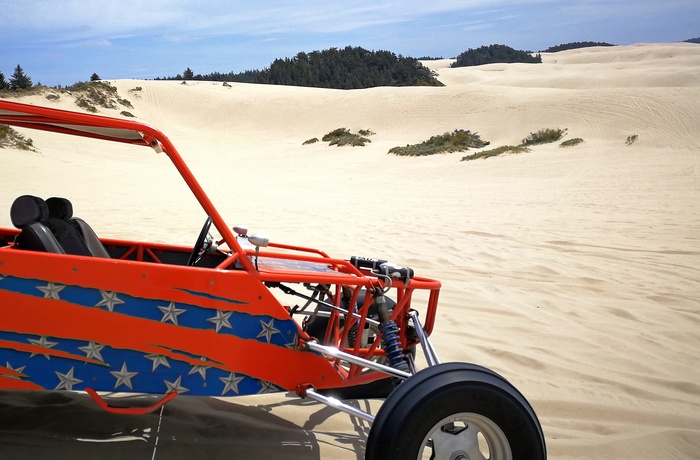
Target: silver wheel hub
x=465 y=436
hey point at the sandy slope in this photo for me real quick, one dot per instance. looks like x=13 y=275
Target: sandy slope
x=573 y=272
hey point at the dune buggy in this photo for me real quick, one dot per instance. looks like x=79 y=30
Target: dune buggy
x=84 y=313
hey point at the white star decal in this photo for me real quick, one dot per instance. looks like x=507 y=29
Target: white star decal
x=268 y=329
x=51 y=290
x=294 y=344
x=67 y=380
x=123 y=377
x=158 y=360
x=42 y=342
x=18 y=370
x=201 y=369
x=175 y=386
x=231 y=383
x=92 y=351
x=170 y=313
x=221 y=319
x=109 y=300
x=267 y=387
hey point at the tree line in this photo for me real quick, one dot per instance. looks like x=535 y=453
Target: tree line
x=575 y=45
x=495 y=54
x=347 y=68
x=18 y=80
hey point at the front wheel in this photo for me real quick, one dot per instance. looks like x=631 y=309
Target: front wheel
x=456 y=411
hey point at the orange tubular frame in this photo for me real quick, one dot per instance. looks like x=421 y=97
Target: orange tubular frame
x=293 y=264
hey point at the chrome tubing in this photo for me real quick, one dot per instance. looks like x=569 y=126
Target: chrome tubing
x=337 y=404
x=430 y=354
x=352 y=359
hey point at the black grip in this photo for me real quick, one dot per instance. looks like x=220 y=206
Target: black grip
x=366 y=262
x=394 y=271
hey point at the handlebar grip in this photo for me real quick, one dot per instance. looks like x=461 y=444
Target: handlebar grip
x=394 y=271
x=366 y=262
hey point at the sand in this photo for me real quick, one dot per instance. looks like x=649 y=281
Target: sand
x=574 y=272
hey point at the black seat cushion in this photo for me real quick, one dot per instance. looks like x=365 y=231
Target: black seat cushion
x=29 y=214
x=76 y=236
x=60 y=211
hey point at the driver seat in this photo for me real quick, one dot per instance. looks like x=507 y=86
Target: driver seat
x=30 y=214
x=73 y=232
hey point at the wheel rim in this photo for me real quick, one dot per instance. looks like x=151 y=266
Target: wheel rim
x=465 y=436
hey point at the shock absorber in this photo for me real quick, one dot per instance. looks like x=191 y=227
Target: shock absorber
x=391 y=342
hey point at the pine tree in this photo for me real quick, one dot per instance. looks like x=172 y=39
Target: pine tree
x=20 y=80
x=188 y=75
x=3 y=83
x=94 y=77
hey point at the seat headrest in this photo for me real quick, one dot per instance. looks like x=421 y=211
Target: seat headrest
x=27 y=209
x=59 y=208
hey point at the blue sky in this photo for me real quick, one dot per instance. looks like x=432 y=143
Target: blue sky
x=64 y=41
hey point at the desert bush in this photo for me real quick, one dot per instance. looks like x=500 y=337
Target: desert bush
x=125 y=102
x=12 y=139
x=457 y=141
x=571 y=142
x=342 y=136
x=127 y=114
x=544 y=136
x=631 y=139
x=497 y=151
x=313 y=140
x=84 y=103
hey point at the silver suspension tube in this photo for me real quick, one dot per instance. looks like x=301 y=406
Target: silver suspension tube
x=337 y=404
x=430 y=354
x=334 y=352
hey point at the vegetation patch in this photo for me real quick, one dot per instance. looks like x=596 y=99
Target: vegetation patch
x=571 y=142
x=127 y=114
x=93 y=94
x=495 y=54
x=631 y=139
x=457 y=141
x=347 y=68
x=342 y=136
x=9 y=138
x=506 y=149
x=544 y=136
x=313 y=140
x=575 y=45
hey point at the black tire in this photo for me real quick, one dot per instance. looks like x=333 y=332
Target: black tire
x=460 y=404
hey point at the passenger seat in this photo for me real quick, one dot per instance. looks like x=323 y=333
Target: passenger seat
x=80 y=238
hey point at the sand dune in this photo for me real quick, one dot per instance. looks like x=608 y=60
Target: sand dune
x=573 y=272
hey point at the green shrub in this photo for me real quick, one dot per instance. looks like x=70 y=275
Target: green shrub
x=342 y=136
x=544 y=136
x=310 y=141
x=457 y=141
x=571 y=142
x=127 y=114
x=495 y=152
x=84 y=103
x=12 y=139
x=125 y=103
x=631 y=139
